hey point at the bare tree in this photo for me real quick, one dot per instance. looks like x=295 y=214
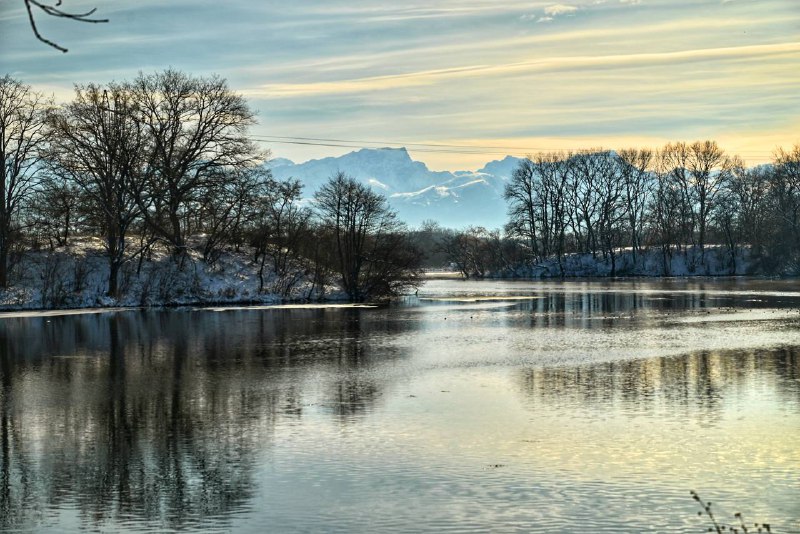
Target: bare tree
x=22 y=122
x=282 y=227
x=197 y=131
x=98 y=144
x=55 y=10
x=375 y=256
x=522 y=193
x=57 y=207
x=226 y=206
x=750 y=189
x=586 y=170
x=701 y=169
x=666 y=215
x=711 y=169
x=611 y=205
x=537 y=204
x=673 y=165
x=785 y=186
x=636 y=169
x=727 y=220
x=554 y=169
x=467 y=250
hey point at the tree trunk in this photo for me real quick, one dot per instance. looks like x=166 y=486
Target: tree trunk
x=261 y=272
x=113 y=275
x=4 y=264
x=613 y=263
x=177 y=238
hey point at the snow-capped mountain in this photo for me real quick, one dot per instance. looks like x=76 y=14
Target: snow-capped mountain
x=454 y=199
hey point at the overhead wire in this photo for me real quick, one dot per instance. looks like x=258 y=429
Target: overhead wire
x=405 y=144
x=443 y=148
x=424 y=150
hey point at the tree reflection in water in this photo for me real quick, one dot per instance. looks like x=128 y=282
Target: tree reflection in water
x=695 y=382
x=161 y=416
x=220 y=419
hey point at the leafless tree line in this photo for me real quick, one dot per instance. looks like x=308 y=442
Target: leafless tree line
x=165 y=160
x=679 y=199
x=684 y=196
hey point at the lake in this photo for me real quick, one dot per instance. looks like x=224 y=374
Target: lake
x=577 y=406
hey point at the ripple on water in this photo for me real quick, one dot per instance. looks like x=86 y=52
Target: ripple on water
x=534 y=407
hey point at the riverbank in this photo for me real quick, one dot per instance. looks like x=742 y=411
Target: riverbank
x=76 y=276
x=712 y=260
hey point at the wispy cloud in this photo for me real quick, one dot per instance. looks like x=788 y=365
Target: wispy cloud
x=451 y=69
x=550 y=12
x=428 y=77
x=555 y=10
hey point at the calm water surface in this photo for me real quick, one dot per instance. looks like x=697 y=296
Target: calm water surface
x=504 y=406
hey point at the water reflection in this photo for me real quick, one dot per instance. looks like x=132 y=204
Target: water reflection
x=692 y=386
x=161 y=416
x=587 y=396
x=603 y=304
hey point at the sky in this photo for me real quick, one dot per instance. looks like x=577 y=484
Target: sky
x=500 y=78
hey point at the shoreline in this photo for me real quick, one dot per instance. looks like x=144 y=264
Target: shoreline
x=273 y=302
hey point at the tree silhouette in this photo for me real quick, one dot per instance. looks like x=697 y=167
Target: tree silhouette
x=375 y=257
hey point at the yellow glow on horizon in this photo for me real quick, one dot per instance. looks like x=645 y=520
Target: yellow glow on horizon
x=753 y=147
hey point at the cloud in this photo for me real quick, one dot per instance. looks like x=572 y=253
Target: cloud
x=451 y=67
x=552 y=64
x=550 y=12
x=559 y=9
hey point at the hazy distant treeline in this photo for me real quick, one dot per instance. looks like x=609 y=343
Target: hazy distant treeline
x=681 y=197
x=165 y=162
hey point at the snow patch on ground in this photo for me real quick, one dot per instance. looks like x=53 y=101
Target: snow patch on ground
x=76 y=276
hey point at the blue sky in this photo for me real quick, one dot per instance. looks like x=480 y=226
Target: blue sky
x=520 y=76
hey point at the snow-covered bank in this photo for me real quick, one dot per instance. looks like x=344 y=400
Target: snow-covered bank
x=712 y=261
x=77 y=277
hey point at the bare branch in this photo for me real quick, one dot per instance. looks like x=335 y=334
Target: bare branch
x=55 y=11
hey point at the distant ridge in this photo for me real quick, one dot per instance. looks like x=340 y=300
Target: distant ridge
x=454 y=199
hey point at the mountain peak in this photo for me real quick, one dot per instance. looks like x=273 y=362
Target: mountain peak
x=502 y=168
x=386 y=149
x=383 y=152
x=416 y=192
x=385 y=163
x=278 y=162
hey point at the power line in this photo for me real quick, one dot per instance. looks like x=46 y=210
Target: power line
x=341 y=145
x=401 y=143
x=444 y=148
